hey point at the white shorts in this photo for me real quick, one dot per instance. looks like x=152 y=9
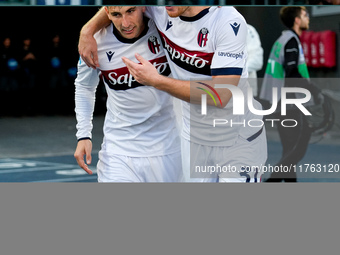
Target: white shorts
x=120 y=168
x=241 y=162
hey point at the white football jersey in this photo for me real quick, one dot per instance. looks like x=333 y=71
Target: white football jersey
x=211 y=43
x=140 y=120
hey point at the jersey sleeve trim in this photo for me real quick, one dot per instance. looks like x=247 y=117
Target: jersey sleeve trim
x=84 y=138
x=226 y=71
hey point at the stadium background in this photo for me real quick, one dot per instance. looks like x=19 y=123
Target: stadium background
x=43 y=134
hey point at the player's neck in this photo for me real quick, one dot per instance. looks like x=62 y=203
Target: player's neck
x=193 y=11
x=297 y=29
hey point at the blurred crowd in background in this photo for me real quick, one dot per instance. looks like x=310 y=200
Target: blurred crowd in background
x=35 y=81
x=38 y=59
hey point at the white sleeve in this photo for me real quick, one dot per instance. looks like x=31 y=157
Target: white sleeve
x=153 y=11
x=255 y=51
x=85 y=92
x=158 y=14
x=230 y=57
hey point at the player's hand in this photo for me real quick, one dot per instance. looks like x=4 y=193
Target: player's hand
x=87 y=47
x=145 y=73
x=84 y=149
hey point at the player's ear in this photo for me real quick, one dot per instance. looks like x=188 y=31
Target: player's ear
x=143 y=9
x=297 y=20
x=106 y=10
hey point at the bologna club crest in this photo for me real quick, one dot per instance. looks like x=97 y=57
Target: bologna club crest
x=153 y=44
x=202 y=37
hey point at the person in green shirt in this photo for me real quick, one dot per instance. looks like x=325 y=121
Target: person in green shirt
x=286 y=67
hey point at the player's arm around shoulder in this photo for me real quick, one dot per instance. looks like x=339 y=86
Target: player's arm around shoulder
x=87 y=45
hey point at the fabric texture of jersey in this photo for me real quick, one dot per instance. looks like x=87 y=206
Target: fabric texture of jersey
x=209 y=44
x=140 y=120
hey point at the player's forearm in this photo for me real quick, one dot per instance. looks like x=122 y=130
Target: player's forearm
x=176 y=88
x=84 y=107
x=192 y=93
x=97 y=22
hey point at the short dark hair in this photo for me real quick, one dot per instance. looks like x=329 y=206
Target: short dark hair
x=289 y=13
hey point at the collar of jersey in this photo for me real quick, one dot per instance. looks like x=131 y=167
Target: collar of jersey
x=294 y=33
x=132 y=40
x=196 y=17
x=290 y=30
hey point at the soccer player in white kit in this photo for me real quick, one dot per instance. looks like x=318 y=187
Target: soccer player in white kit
x=202 y=43
x=141 y=141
